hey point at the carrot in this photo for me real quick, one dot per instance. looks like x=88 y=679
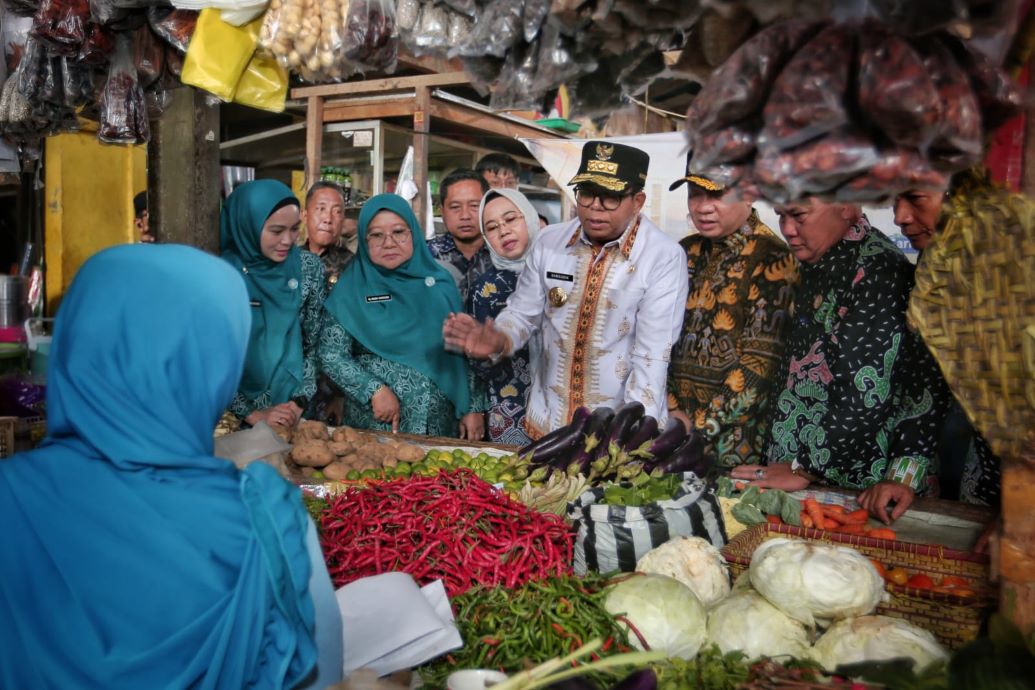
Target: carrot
x=739 y=486
x=831 y=510
x=814 y=511
x=806 y=520
x=857 y=517
x=838 y=518
x=883 y=533
x=831 y=524
x=852 y=529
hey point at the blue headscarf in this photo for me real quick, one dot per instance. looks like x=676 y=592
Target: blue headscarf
x=131 y=557
x=398 y=314
x=275 y=360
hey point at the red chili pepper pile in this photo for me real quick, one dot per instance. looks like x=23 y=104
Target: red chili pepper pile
x=452 y=526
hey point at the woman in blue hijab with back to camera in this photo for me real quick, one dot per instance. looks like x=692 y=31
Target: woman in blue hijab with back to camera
x=382 y=337
x=259 y=228
x=131 y=557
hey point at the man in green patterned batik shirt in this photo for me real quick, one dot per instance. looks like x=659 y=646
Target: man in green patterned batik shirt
x=742 y=279
x=861 y=402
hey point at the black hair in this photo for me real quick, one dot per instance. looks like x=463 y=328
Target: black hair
x=324 y=184
x=493 y=195
x=289 y=201
x=494 y=162
x=460 y=175
x=139 y=204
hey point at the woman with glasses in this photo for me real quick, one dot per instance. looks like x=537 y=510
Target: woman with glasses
x=258 y=229
x=509 y=224
x=382 y=340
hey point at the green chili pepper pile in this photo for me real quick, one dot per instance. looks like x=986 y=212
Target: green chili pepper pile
x=505 y=628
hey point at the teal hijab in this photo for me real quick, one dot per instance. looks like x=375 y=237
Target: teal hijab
x=398 y=314
x=274 y=362
x=131 y=557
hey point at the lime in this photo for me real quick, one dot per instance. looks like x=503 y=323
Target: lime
x=352 y=475
x=369 y=474
x=460 y=455
x=318 y=475
x=506 y=477
x=403 y=469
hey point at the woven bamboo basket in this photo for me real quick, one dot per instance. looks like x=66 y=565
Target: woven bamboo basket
x=953 y=619
x=974 y=305
x=7 y=427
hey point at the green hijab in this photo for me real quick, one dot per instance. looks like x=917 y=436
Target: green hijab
x=398 y=314
x=274 y=360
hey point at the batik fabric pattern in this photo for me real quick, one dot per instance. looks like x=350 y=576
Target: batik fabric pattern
x=861 y=398
x=444 y=249
x=724 y=364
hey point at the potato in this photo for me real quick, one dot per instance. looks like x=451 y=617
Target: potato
x=312 y=453
x=286 y=433
x=310 y=429
x=308 y=471
x=390 y=462
x=410 y=453
x=351 y=460
x=340 y=447
x=336 y=470
x=345 y=433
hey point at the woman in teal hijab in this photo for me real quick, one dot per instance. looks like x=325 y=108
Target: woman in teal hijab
x=132 y=558
x=258 y=232
x=382 y=336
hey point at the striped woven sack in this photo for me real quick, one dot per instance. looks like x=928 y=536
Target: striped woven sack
x=613 y=538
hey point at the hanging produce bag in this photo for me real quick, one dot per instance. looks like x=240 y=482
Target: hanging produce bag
x=219 y=54
x=613 y=537
x=263 y=85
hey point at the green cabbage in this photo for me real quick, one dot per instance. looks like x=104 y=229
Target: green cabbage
x=666 y=613
x=811 y=582
x=745 y=621
x=876 y=638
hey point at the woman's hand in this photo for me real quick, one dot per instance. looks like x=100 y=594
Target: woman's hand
x=472 y=426
x=876 y=499
x=286 y=414
x=386 y=407
x=776 y=476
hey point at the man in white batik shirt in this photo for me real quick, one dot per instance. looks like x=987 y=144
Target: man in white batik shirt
x=605 y=293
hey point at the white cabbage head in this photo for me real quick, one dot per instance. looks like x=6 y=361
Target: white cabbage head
x=747 y=622
x=694 y=562
x=876 y=638
x=665 y=611
x=811 y=582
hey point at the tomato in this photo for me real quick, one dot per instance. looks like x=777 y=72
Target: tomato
x=921 y=581
x=954 y=581
x=880 y=568
x=899 y=576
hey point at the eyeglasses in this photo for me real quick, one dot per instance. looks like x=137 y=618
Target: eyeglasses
x=609 y=201
x=399 y=236
x=509 y=221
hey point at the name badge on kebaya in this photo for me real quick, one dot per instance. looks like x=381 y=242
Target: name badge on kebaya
x=379 y=298
x=558 y=297
x=254 y=303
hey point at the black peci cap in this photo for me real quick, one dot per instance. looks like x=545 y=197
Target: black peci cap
x=696 y=179
x=614 y=167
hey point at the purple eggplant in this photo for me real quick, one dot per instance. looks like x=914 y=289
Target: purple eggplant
x=667 y=441
x=577 y=683
x=595 y=435
x=684 y=458
x=640 y=438
x=624 y=420
x=559 y=442
x=638 y=680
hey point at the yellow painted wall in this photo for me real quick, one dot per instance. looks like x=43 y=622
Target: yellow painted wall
x=89 y=190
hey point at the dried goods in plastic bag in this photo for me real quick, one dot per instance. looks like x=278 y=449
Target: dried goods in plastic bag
x=98 y=46
x=173 y=26
x=468 y=7
x=728 y=145
x=123 y=108
x=896 y=93
x=76 y=83
x=173 y=62
x=22 y=8
x=557 y=59
x=432 y=32
x=32 y=69
x=808 y=98
x=62 y=24
x=16 y=32
x=371 y=38
x=907 y=16
x=998 y=95
x=739 y=87
x=958 y=144
x=513 y=90
x=497 y=29
x=533 y=16
x=460 y=28
x=815 y=168
x=407 y=12
x=148 y=55
x=896 y=171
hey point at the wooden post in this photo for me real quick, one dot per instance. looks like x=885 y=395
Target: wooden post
x=313 y=139
x=1017 y=542
x=421 y=127
x=183 y=173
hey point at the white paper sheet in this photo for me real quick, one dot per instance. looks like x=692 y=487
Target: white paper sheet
x=390 y=624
